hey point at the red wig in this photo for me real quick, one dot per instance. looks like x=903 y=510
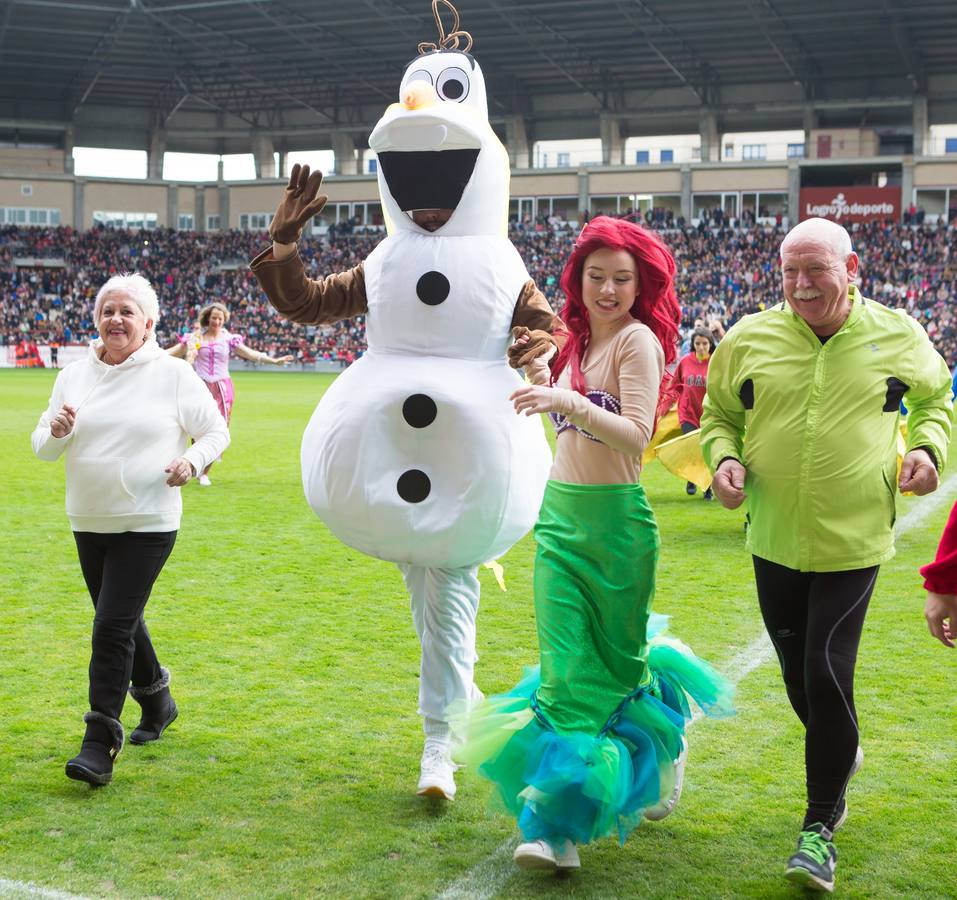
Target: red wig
x=655 y=305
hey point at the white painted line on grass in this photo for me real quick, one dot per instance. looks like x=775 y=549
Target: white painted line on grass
x=486 y=879
x=927 y=506
x=19 y=890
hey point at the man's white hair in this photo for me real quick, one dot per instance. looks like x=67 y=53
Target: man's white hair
x=824 y=230
x=131 y=285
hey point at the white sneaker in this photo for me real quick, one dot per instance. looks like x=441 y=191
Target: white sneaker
x=858 y=762
x=204 y=481
x=665 y=807
x=436 y=771
x=553 y=855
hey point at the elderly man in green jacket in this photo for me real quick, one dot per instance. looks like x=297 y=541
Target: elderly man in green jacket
x=801 y=420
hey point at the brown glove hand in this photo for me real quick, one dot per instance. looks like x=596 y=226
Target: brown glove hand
x=298 y=205
x=537 y=343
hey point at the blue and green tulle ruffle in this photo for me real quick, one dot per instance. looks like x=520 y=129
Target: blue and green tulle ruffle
x=586 y=786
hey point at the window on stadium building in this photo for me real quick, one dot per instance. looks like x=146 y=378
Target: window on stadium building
x=564 y=160
x=765 y=207
x=643 y=157
x=934 y=202
x=754 y=151
x=254 y=221
x=110 y=219
x=185 y=222
x=212 y=223
x=667 y=156
x=950 y=145
x=795 y=151
x=20 y=215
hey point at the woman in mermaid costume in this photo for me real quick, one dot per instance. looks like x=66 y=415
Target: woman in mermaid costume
x=593 y=739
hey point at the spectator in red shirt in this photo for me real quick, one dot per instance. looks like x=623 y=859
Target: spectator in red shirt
x=940 y=580
x=690 y=384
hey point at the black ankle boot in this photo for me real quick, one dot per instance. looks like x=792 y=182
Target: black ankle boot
x=159 y=709
x=101 y=744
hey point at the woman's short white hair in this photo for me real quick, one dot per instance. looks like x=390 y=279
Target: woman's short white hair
x=131 y=285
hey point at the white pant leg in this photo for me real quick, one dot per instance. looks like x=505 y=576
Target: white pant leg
x=444 y=607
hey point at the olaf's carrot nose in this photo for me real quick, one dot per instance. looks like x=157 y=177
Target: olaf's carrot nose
x=419 y=94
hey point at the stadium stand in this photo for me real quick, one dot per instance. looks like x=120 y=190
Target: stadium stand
x=726 y=269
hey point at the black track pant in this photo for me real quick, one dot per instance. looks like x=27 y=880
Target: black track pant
x=815 y=620
x=119 y=570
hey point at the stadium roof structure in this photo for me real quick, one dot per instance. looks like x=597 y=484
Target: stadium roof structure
x=211 y=75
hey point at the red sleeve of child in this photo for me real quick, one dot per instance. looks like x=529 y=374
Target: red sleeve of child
x=940 y=576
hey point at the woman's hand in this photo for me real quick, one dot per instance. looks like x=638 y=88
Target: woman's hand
x=529 y=346
x=180 y=471
x=62 y=423
x=533 y=398
x=940 y=610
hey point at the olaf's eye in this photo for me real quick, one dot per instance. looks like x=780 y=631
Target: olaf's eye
x=453 y=84
x=420 y=75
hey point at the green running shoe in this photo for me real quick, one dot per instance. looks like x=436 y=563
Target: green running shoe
x=815 y=861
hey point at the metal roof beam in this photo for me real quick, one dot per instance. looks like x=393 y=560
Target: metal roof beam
x=530 y=25
x=262 y=87
x=915 y=69
x=706 y=88
x=296 y=35
x=4 y=24
x=99 y=56
x=812 y=69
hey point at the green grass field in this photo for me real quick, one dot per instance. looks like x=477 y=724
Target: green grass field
x=291 y=769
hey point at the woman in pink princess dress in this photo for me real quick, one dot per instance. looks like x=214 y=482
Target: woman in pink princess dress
x=208 y=349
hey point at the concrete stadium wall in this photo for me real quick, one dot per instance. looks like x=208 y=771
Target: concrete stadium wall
x=129 y=196
x=77 y=197
x=33 y=161
x=49 y=193
x=939 y=173
x=725 y=177
x=644 y=180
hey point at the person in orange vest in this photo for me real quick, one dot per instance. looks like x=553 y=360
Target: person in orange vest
x=33 y=356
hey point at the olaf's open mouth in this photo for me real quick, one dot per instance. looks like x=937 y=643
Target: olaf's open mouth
x=427 y=179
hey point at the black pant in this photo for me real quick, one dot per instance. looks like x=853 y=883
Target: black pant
x=119 y=570
x=815 y=621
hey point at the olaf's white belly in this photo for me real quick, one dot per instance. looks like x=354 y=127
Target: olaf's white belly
x=421 y=459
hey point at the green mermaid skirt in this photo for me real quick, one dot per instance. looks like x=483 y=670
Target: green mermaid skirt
x=587 y=741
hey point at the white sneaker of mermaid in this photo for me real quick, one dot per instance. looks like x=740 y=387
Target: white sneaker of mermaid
x=436 y=771
x=414 y=454
x=666 y=807
x=559 y=853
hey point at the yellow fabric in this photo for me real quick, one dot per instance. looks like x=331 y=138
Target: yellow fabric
x=668 y=427
x=495 y=567
x=682 y=457
x=901 y=453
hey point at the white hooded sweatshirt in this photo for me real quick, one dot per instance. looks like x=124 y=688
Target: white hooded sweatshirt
x=132 y=420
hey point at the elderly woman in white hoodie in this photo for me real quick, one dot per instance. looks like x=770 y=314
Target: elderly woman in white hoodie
x=123 y=418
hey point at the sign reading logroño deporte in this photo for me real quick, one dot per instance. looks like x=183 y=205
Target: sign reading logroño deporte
x=851 y=204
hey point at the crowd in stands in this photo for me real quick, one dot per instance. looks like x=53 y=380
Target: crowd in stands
x=726 y=269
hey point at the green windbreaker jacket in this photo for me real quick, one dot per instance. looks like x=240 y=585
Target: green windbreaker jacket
x=816 y=427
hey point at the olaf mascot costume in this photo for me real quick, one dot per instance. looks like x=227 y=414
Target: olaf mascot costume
x=414 y=454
